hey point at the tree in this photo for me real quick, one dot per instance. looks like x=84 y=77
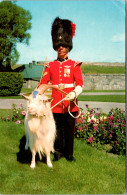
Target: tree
x=14 y=24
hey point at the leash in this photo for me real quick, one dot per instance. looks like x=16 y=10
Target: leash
x=35 y=93
x=78 y=108
x=55 y=105
x=68 y=107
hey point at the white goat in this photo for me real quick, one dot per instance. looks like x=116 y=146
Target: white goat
x=40 y=128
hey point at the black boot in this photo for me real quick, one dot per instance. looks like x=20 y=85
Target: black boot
x=57 y=156
x=70 y=158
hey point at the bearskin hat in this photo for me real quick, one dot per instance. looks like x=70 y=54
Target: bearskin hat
x=62 y=33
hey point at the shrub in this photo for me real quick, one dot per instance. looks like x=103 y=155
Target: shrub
x=10 y=83
x=104 y=131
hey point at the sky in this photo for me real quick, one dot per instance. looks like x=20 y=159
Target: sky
x=99 y=35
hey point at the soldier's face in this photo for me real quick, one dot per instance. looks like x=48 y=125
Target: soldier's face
x=62 y=52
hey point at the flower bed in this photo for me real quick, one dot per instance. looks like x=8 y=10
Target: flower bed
x=98 y=129
x=18 y=115
x=103 y=131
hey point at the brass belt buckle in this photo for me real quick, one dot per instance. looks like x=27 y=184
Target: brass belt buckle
x=61 y=86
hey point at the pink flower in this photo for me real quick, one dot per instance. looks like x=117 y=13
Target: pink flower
x=91 y=139
x=91 y=111
x=92 y=121
x=23 y=113
x=110 y=123
x=110 y=135
x=95 y=128
x=103 y=128
x=18 y=122
x=97 y=114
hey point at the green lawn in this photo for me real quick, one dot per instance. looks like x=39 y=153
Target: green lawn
x=102 y=98
x=97 y=91
x=94 y=172
x=91 y=69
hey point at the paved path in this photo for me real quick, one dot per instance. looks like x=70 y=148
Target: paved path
x=105 y=106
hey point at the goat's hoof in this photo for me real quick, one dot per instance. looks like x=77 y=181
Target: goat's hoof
x=50 y=165
x=32 y=166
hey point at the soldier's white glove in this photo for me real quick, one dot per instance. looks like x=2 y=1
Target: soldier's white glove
x=74 y=94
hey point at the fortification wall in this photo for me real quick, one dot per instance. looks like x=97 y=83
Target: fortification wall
x=95 y=82
x=104 y=82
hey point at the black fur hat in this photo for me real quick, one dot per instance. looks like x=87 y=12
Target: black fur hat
x=62 y=33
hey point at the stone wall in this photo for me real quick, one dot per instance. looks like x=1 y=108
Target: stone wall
x=95 y=82
x=104 y=82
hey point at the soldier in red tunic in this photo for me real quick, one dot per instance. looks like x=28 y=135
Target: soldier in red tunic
x=65 y=74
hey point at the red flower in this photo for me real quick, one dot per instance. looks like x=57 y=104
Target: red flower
x=111 y=117
x=73 y=26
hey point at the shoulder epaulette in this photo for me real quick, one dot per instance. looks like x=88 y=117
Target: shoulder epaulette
x=47 y=65
x=77 y=63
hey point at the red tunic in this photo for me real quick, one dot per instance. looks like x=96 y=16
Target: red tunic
x=66 y=72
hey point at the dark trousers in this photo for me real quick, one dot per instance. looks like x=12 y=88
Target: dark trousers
x=65 y=128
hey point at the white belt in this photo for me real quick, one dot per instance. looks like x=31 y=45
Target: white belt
x=63 y=86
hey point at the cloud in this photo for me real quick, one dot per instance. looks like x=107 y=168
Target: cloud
x=118 y=38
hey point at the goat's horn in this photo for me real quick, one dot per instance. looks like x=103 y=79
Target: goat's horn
x=44 y=87
x=26 y=95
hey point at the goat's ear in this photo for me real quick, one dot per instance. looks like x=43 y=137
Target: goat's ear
x=26 y=96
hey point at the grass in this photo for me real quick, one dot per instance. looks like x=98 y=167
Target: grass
x=26 y=90
x=94 y=172
x=102 y=98
x=89 y=69
x=11 y=97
